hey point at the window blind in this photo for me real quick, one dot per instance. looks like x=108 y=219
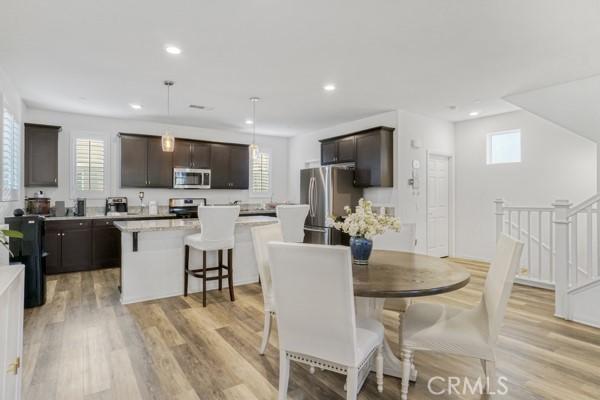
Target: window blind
x=89 y=165
x=261 y=173
x=11 y=152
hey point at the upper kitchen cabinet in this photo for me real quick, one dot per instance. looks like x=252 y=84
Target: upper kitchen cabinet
x=229 y=165
x=375 y=158
x=144 y=164
x=338 y=150
x=41 y=155
x=191 y=154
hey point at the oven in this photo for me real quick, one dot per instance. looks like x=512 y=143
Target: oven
x=189 y=178
x=186 y=207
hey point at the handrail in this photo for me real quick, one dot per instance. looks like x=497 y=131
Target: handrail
x=522 y=208
x=585 y=204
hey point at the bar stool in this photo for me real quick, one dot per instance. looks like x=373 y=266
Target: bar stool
x=292 y=218
x=217 y=226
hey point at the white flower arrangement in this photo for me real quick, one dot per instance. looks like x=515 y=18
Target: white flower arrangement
x=363 y=222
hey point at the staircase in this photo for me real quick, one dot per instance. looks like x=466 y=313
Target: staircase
x=562 y=252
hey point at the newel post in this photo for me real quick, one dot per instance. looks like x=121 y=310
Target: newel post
x=499 y=217
x=561 y=264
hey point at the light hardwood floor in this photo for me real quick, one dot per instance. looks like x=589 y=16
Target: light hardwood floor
x=83 y=344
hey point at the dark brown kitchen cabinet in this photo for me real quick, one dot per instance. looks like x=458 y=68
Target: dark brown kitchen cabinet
x=375 y=158
x=41 y=155
x=191 y=154
x=144 y=164
x=339 y=150
x=229 y=164
x=160 y=165
x=106 y=244
x=134 y=161
x=68 y=244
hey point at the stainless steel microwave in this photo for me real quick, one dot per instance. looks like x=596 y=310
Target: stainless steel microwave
x=189 y=178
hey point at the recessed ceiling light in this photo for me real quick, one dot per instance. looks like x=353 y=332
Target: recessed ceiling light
x=330 y=87
x=249 y=122
x=173 y=50
x=474 y=113
x=135 y=106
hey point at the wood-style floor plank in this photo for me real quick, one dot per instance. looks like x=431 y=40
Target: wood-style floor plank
x=83 y=344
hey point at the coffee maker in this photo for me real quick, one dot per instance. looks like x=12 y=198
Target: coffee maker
x=116 y=205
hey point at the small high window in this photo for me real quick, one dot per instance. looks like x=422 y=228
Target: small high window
x=504 y=147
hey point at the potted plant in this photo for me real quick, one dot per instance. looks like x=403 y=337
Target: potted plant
x=5 y=234
x=362 y=225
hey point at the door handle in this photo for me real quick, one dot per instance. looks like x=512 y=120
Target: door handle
x=311 y=188
x=321 y=230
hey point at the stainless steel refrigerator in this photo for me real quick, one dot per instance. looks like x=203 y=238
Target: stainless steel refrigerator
x=326 y=190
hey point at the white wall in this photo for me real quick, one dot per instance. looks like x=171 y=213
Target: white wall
x=556 y=164
x=73 y=123
x=10 y=97
x=433 y=134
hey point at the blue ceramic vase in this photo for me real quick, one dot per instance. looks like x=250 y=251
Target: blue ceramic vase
x=361 y=249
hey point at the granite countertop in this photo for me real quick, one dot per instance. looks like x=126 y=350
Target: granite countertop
x=183 y=224
x=103 y=216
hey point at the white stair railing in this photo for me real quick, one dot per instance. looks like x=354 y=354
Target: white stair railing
x=533 y=226
x=562 y=245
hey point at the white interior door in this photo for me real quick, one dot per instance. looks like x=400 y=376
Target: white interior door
x=438 y=199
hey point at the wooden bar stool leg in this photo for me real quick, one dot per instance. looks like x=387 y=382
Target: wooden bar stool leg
x=220 y=269
x=230 y=273
x=185 y=270
x=203 y=278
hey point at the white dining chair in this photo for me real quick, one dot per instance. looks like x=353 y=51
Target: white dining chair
x=261 y=236
x=470 y=333
x=316 y=321
x=292 y=218
x=217 y=227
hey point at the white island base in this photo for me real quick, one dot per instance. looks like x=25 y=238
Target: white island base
x=155 y=269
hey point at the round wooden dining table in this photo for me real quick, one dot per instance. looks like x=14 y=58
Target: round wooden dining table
x=400 y=274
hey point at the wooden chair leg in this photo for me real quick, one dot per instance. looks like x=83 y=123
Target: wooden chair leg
x=220 y=269
x=203 y=278
x=352 y=384
x=379 y=368
x=230 y=273
x=284 y=375
x=185 y=270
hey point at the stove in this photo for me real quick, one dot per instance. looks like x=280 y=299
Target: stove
x=186 y=207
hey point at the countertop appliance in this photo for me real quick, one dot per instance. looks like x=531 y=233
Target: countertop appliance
x=37 y=205
x=29 y=251
x=186 y=207
x=80 y=206
x=327 y=190
x=115 y=205
x=190 y=178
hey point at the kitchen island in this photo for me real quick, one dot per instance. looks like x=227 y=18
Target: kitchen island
x=152 y=255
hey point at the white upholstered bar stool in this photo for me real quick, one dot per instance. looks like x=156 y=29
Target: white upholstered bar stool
x=217 y=227
x=261 y=236
x=292 y=218
x=316 y=320
x=470 y=333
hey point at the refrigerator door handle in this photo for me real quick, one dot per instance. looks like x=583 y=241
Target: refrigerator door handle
x=321 y=230
x=311 y=191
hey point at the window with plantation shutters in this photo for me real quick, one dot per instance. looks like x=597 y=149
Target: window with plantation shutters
x=11 y=152
x=261 y=174
x=90 y=166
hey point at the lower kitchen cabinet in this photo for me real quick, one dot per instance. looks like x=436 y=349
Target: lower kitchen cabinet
x=69 y=245
x=83 y=244
x=106 y=244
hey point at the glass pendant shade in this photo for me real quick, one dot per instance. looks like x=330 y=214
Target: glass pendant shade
x=168 y=142
x=254 y=151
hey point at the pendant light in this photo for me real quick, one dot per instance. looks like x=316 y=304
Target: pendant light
x=254 y=147
x=168 y=141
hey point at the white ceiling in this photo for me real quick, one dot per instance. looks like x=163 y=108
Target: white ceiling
x=96 y=57
x=572 y=105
